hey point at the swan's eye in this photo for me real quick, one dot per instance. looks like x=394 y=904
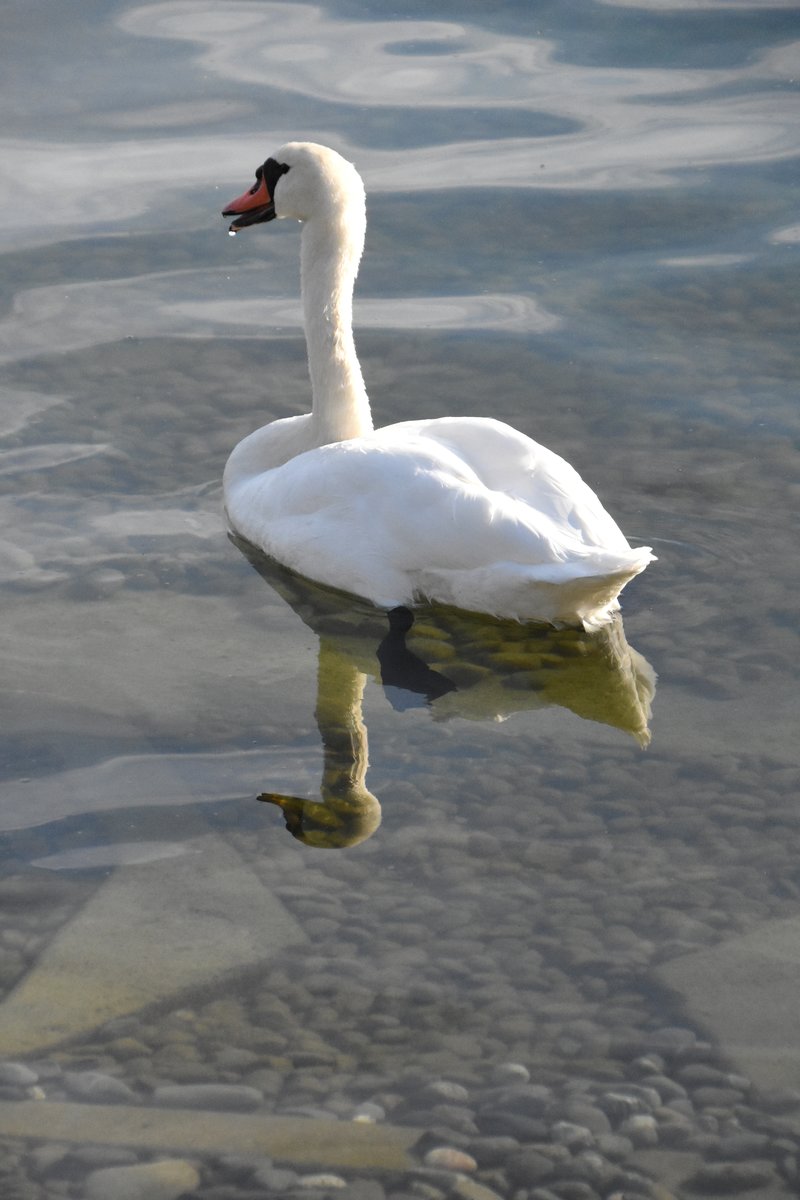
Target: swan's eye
x=272 y=173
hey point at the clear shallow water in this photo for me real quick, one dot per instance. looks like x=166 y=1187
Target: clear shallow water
x=582 y=220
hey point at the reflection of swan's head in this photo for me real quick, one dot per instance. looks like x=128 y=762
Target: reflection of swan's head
x=301 y=180
x=327 y=825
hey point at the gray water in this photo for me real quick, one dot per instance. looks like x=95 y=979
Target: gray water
x=583 y=221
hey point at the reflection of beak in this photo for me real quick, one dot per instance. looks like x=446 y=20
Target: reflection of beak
x=251 y=207
x=292 y=807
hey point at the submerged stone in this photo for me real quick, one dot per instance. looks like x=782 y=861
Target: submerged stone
x=17 y=1075
x=293 y=1140
x=164 y=1180
x=222 y=1096
x=745 y=992
x=98 y=1088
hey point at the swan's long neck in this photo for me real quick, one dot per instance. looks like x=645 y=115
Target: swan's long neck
x=331 y=251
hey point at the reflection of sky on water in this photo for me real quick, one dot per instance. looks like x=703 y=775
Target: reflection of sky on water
x=627 y=127
x=695 y=5
x=623 y=136
x=298 y=47
x=167 y=306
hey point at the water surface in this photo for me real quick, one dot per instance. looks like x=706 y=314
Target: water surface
x=582 y=220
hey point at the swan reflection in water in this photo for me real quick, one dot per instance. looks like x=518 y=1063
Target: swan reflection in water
x=455 y=664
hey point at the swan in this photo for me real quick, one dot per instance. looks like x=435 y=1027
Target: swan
x=464 y=511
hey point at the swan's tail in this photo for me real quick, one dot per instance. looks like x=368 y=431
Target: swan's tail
x=580 y=594
x=594 y=598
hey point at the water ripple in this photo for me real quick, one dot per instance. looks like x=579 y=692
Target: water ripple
x=301 y=48
x=89 y=314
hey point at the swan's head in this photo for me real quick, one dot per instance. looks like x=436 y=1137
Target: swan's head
x=301 y=180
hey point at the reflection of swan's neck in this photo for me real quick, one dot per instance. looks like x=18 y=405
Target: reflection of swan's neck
x=331 y=251
x=340 y=691
x=346 y=813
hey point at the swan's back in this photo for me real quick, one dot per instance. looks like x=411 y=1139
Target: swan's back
x=465 y=511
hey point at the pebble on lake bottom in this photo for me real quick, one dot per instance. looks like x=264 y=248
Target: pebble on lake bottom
x=728 y=1178
x=322 y=1180
x=450 y=1159
x=164 y=1180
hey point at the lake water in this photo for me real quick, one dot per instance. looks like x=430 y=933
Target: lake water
x=567 y=957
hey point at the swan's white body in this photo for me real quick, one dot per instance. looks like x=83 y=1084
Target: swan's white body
x=462 y=510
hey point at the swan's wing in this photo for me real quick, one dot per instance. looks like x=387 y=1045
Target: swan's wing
x=513 y=465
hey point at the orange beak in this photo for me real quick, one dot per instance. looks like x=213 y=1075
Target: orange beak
x=251 y=207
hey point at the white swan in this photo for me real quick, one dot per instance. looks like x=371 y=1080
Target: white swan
x=461 y=510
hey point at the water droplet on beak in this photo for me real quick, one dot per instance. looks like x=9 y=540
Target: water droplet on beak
x=232 y=232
